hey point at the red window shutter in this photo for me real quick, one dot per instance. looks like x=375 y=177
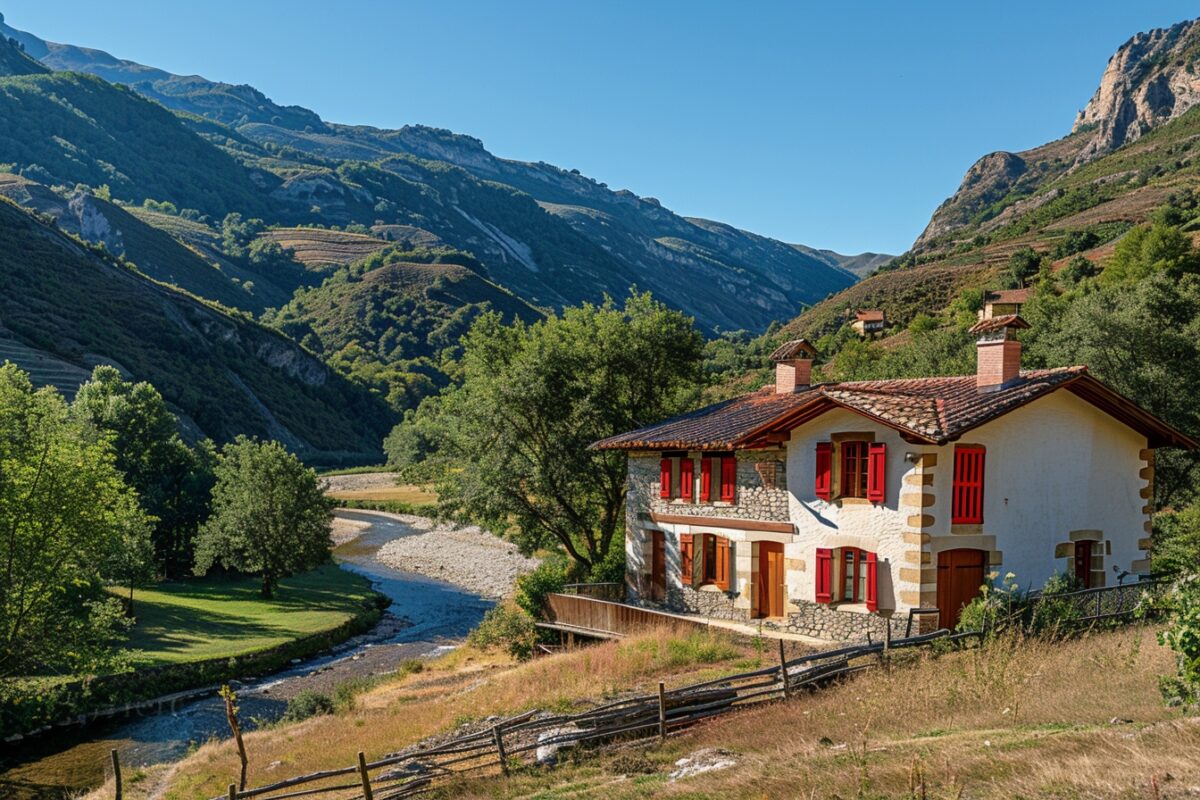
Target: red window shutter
x=664 y=478
x=967 y=498
x=685 y=478
x=824 y=575
x=685 y=558
x=877 y=472
x=722 y=575
x=872 y=582
x=705 y=480
x=728 y=479
x=824 y=482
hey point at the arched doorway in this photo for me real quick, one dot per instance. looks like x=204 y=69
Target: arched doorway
x=960 y=573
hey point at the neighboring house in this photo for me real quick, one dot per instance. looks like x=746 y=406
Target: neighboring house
x=825 y=509
x=869 y=323
x=1004 y=302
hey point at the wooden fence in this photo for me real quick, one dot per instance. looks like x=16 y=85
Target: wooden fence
x=590 y=616
x=517 y=740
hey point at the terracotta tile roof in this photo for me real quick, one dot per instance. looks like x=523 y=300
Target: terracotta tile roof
x=996 y=323
x=1016 y=296
x=933 y=410
x=869 y=315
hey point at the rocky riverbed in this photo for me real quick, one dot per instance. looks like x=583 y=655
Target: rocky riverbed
x=465 y=556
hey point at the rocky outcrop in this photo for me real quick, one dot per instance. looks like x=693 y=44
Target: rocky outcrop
x=91 y=224
x=1150 y=80
x=989 y=179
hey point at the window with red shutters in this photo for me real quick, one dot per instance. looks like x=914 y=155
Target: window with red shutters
x=685 y=559
x=664 y=478
x=721 y=578
x=876 y=472
x=872 y=598
x=824 y=575
x=728 y=479
x=686 y=478
x=824 y=481
x=705 y=479
x=967 y=499
x=854 y=469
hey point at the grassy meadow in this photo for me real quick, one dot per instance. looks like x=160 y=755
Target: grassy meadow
x=219 y=617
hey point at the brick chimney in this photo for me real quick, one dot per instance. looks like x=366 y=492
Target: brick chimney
x=793 y=366
x=997 y=350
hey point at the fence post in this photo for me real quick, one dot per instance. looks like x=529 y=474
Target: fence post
x=116 y=762
x=662 y=710
x=362 y=772
x=233 y=791
x=783 y=675
x=498 y=738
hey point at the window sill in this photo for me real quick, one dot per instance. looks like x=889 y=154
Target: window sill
x=851 y=608
x=853 y=501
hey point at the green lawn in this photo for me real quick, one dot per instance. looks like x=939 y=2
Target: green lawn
x=220 y=617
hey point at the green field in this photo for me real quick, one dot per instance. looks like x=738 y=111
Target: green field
x=217 y=618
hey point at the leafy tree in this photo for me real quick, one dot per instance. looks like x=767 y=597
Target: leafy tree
x=1022 y=266
x=173 y=481
x=1148 y=249
x=269 y=515
x=513 y=441
x=1078 y=269
x=68 y=522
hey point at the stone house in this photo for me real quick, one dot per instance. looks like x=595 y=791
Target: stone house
x=829 y=509
x=869 y=323
x=1003 y=302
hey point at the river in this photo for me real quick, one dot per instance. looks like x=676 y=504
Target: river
x=426 y=616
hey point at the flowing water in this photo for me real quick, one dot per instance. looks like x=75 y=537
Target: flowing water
x=426 y=616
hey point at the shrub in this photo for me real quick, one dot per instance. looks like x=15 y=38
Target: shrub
x=307 y=704
x=1183 y=636
x=1053 y=614
x=996 y=603
x=507 y=626
x=532 y=587
x=1177 y=541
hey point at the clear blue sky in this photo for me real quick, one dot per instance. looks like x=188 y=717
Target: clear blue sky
x=839 y=125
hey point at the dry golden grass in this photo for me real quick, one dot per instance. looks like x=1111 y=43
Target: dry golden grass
x=417 y=495
x=1028 y=719
x=465 y=685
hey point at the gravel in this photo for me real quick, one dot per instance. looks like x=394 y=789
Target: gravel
x=468 y=557
x=359 y=481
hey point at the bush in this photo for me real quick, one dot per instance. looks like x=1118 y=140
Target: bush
x=307 y=704
x=996 y=603
x=1183 y=636
x=1051 y=614
x=507 y=626
x=532 y=587
x=1177 y=541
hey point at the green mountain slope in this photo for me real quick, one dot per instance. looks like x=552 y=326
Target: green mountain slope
x=14 y=61
x=68 y=128
x=226 y=374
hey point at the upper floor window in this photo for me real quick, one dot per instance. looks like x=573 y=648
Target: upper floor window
x=854 y=469
x=966 y=505
x=861 y=469
x=718 y=478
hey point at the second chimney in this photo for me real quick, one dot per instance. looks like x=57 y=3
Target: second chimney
x=793 y=366
x=997 y=351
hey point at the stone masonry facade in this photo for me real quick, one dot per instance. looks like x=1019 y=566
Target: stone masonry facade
x=761 y=489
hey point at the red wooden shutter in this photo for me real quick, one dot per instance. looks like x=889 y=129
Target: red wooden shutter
x=728 y=478
x=722 y=575
x=872 y=582
x=685 y=558
x=664 y=478
x=824 y=482
x=685 y=478
x=967 y=499
x=877 y=472
x=824 y=575
x=705 y=480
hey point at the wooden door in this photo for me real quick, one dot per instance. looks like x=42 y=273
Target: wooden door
x=770 y=579
x=658 y=566
x=960 y=573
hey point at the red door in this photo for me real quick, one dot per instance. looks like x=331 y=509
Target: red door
x=960 y=573
x=1083 y=563
x=658 y=566
x=770 y=579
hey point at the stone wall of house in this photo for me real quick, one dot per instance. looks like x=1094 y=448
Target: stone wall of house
x=761 y=489
x=826 y=622
x=717 y=605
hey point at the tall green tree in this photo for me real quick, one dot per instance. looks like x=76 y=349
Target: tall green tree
x=269 y=516
x=173 y=480
x=1148 y=249
x=68 y=524
x=512 y=442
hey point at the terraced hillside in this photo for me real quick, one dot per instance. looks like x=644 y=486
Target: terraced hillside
x=60 y=302
x=323 y=250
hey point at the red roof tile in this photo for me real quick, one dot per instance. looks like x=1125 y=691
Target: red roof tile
x=1016 y=296
x=996 y=323
x=934 y=410
x=869 y=315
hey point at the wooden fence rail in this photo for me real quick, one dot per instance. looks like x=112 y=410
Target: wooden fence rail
x=585 y=613
x=511 y=741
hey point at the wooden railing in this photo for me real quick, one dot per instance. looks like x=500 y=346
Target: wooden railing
x=600 y=591
x=569 y=611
